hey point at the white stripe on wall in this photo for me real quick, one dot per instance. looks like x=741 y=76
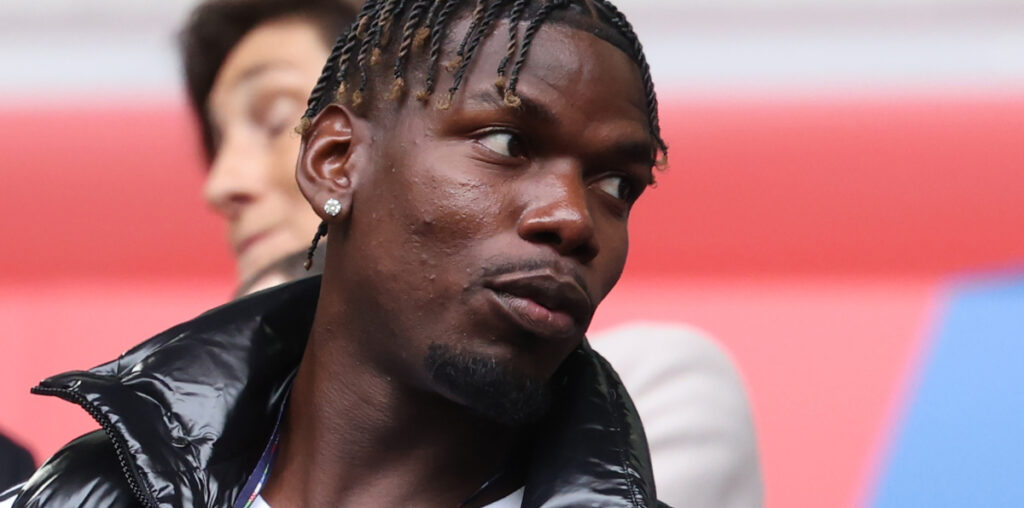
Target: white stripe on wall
x=115 y=47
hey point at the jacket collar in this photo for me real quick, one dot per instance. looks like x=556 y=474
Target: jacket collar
x=189 y=410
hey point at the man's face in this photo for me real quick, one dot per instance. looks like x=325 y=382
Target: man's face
x=258 y=96
x=488 y=234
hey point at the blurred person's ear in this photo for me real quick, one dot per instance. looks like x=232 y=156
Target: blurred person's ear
x=333 y=152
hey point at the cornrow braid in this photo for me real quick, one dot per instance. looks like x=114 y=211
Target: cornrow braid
x=322 y=83
x=531 y=32
x=343 y=64
x=321 y=231
x=423 y=33
x=368 y=45
x=408 y=34
x=491 y=14
x=324 y=79
x=435 y=47
x=393 y=9
x=625 y=28
x=513 y=39
x=348 y=43
x=474 y=23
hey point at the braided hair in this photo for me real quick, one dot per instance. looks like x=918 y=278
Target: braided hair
x=406 y=29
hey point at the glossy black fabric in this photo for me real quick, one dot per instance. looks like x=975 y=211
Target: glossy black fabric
x=16 y=463
x=186 y=414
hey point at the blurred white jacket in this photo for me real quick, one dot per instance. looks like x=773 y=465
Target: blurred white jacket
x=695 y=412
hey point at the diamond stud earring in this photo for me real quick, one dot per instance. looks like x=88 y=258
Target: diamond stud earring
x=332 y=207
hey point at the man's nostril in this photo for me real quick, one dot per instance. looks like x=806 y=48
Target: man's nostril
x=547 y=237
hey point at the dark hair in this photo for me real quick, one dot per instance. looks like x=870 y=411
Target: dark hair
x=215 y=27
x=424 y=24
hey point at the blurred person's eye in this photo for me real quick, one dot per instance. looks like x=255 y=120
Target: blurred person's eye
x=277 y=113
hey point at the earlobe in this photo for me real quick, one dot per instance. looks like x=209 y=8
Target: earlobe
x=324 y=171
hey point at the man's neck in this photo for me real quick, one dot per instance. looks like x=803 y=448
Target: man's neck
x=354 y=436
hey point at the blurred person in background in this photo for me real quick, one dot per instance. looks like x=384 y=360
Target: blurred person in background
x=249 y=66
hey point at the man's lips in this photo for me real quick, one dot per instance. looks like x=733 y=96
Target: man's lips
x=543 y=302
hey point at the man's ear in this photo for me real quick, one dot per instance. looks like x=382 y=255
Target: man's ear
x=328 y=159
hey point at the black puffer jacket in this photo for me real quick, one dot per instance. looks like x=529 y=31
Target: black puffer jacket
x=186 y=414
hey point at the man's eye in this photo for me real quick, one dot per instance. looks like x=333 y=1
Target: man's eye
x=617 y=187
x=503 y=143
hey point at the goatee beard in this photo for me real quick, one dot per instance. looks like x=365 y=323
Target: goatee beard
x=488 y=387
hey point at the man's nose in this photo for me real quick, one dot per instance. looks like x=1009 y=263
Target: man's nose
x=234 y=180
x=556 y=214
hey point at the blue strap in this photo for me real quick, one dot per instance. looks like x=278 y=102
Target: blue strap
x=261 y=472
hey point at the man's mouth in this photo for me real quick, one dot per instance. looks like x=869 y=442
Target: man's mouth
x=542 y=302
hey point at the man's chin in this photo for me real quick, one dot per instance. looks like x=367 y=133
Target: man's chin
x=488 y=386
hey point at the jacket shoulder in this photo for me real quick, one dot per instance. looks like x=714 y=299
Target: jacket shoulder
x=85 y=472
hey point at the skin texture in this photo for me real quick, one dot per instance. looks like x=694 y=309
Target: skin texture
x=435 y=203
x=256 y=100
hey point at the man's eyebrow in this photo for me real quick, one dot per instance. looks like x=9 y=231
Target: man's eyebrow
x=527 y=107
x=638 y=151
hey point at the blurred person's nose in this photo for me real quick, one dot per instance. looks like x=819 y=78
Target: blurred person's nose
x=236 y=178
x=557 y=213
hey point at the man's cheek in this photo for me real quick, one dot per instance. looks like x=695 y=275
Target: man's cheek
x=458 y=211
x=614 y=244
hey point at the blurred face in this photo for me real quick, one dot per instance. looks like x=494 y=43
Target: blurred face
x=256 y=101
x=487 y=235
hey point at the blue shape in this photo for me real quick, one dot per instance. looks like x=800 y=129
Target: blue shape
x=961 y=443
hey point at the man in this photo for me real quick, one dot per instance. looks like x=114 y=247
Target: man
x=249 y=65
x=246 y=56
x=472 y=228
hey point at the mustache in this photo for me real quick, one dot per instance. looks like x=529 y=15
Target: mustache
x=560 y=267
